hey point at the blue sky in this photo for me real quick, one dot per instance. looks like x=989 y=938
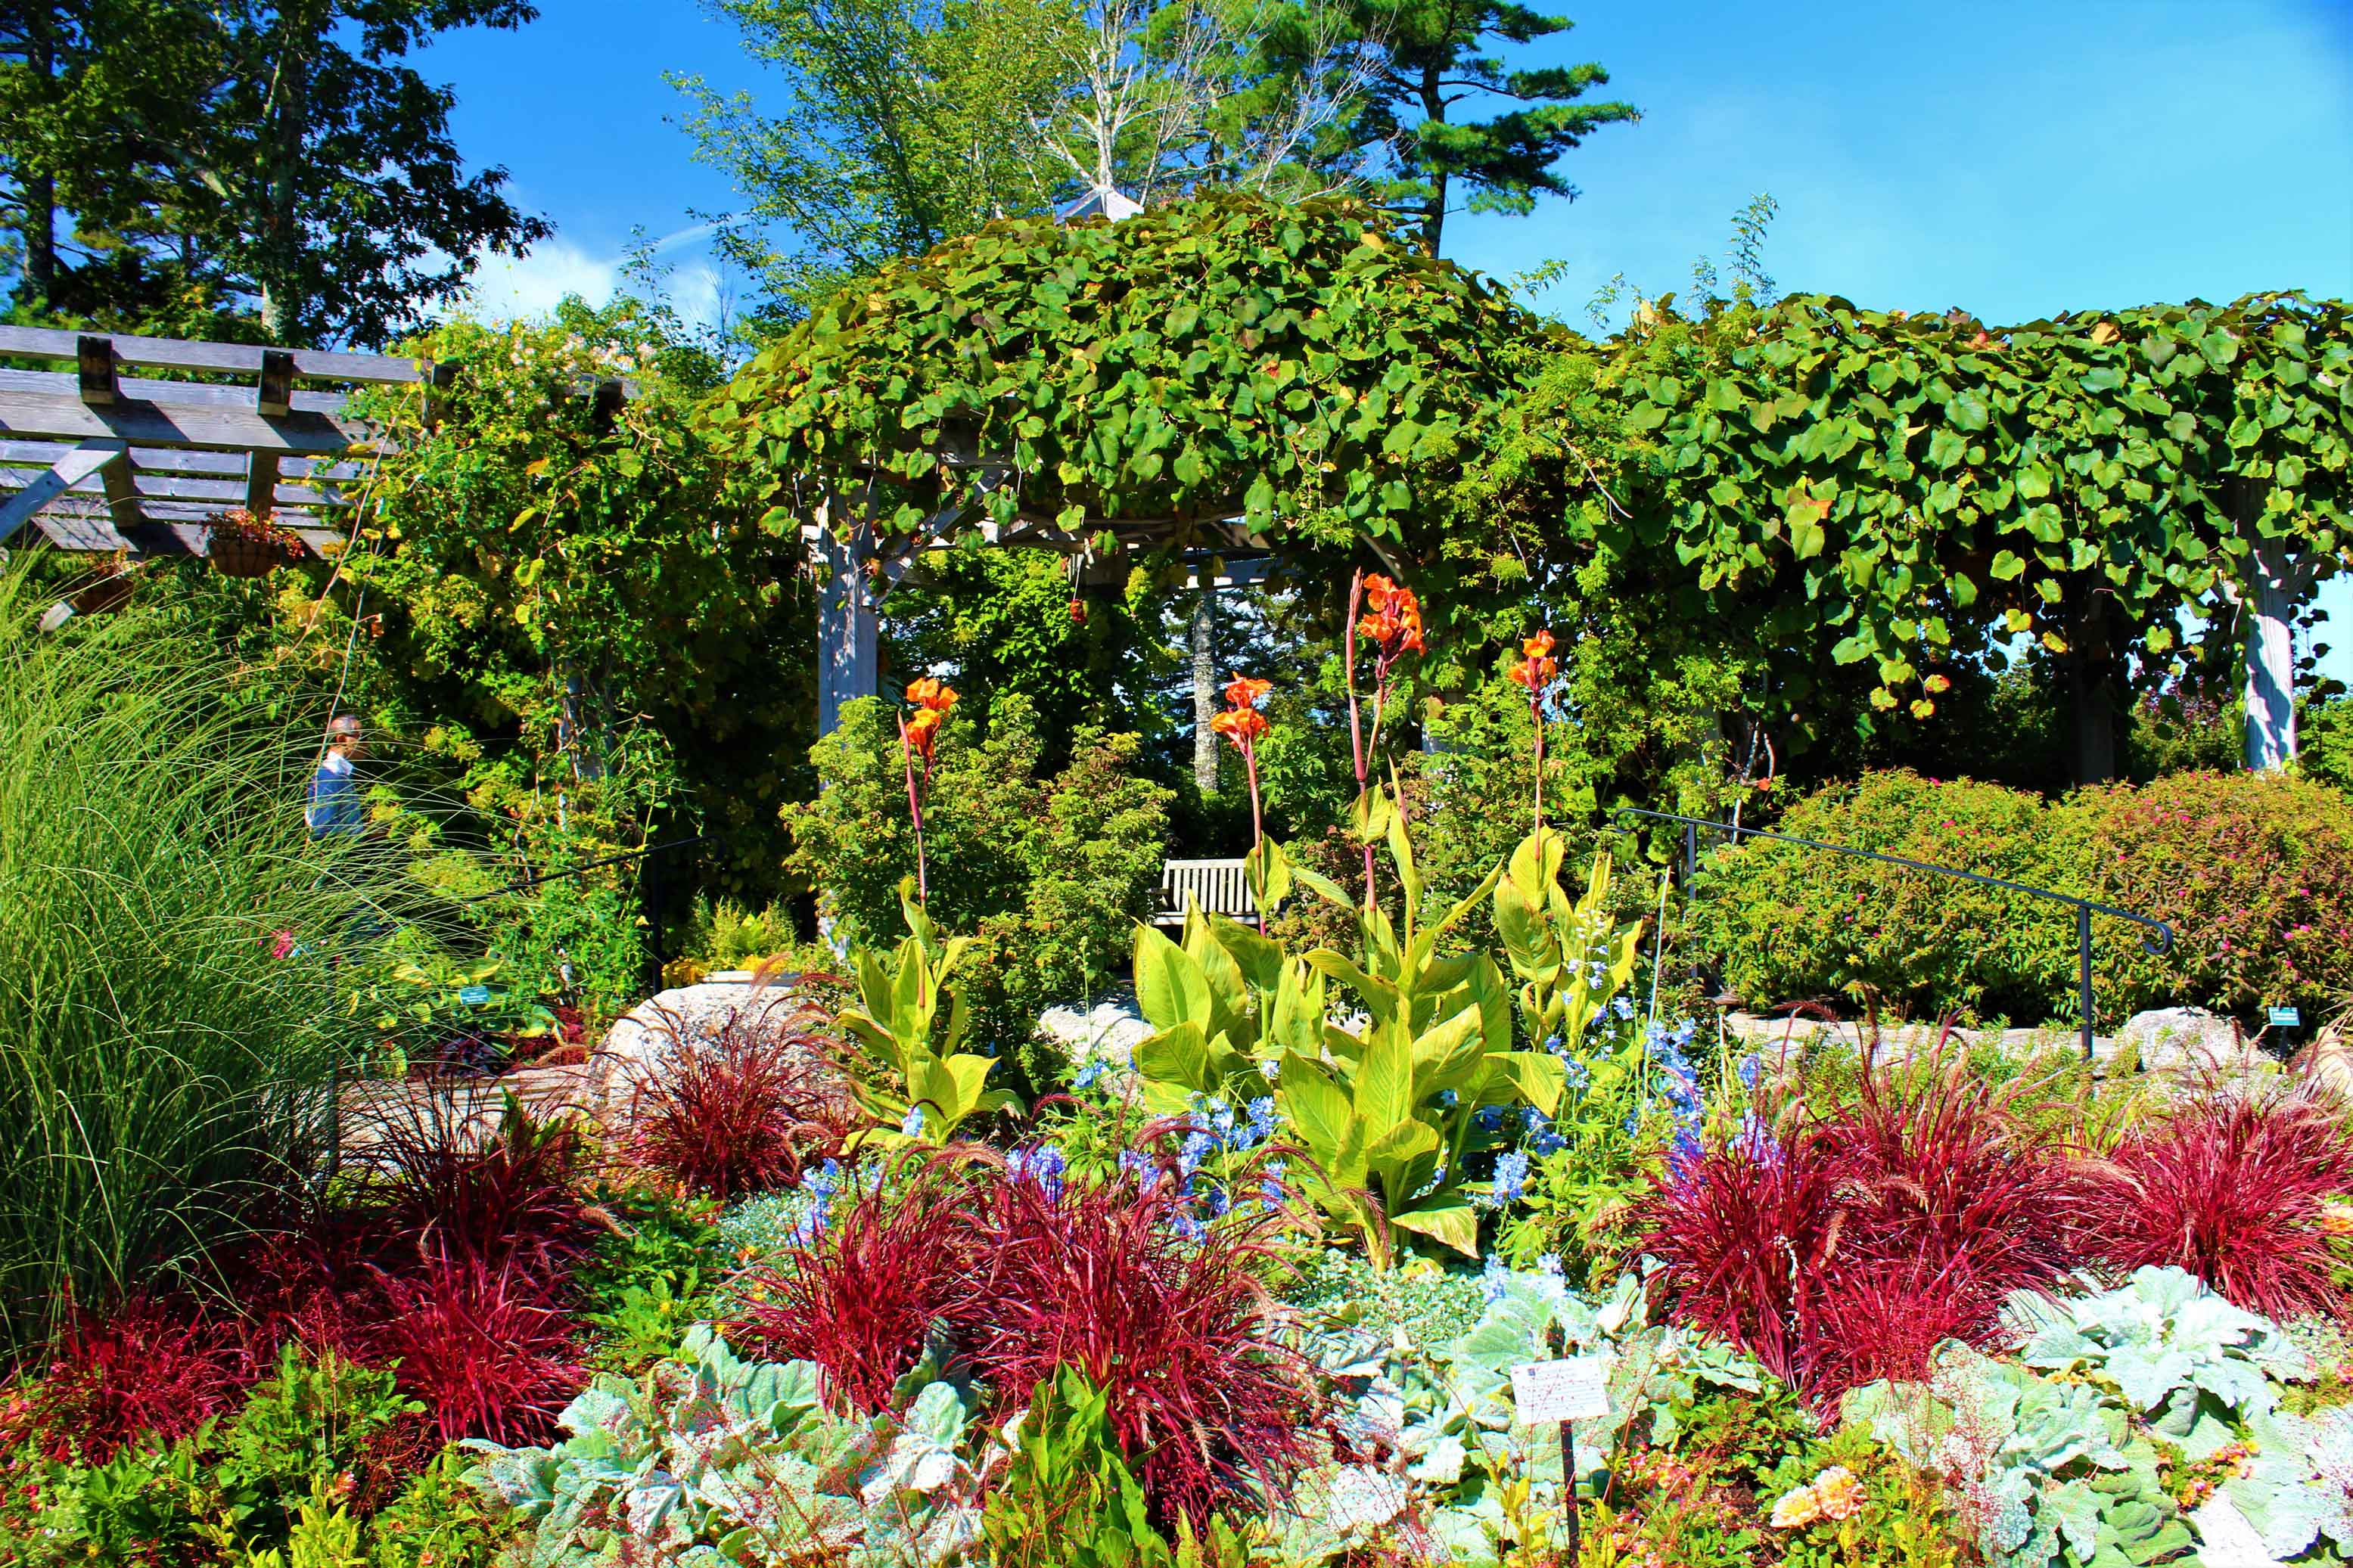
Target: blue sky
x=2012 y=159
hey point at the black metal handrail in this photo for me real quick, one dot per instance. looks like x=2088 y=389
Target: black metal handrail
x=586 y=866
x=2158 y=937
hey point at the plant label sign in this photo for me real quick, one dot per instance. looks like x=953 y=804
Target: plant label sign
x=2286 y=1019
x=474 y=996
x=1575 y=1388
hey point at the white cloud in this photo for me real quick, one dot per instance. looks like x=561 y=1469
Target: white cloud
x=510 y=287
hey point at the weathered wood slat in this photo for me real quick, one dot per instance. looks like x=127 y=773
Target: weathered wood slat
x=154 y=535
x=236 y=359
x=307 y=434
x=70 y=470
x=227 y=492
x=161 y=460
x=176 y=393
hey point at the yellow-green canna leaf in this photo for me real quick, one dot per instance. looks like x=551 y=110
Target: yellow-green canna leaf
x=1170 y=989
x=1451 y=1222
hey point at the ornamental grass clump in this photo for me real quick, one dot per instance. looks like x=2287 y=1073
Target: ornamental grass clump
x=166 y=1055
x=873 y=1273
x=2233 y=1184
x=739 y=1112
x=1012 y=1267
x=489 y=1346
x=146 y=1369
x=1102 y=1278
x=1847 y=1248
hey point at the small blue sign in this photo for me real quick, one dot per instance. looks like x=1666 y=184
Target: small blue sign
x=474 y=996
x=2286 y=1019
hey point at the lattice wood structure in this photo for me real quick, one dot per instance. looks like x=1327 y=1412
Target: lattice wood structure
x=98 y=460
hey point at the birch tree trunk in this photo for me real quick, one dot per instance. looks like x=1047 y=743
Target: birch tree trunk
x=847 y=627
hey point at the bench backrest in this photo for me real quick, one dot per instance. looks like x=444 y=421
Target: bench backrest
x=1220 y=887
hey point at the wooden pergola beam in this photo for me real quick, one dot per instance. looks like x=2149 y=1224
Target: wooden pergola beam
x=147 y=423
x=134 y=486
x=243 y=359
x=67 y=471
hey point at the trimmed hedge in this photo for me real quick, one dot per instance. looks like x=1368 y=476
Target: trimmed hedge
x=2255 y=872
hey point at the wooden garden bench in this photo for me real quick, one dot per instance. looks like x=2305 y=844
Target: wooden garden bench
x=1220 y=887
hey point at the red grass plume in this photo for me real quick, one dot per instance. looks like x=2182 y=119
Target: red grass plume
x=1903 y=1217
x=1205 y=1405
x=1937 y=1173
x=146 y=1368
x=444 y=1187
x=861 y=1294
x=740 y=1112
x=2229 y=1184
x=487 y=1346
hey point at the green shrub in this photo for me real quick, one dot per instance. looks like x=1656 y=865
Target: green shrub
x=1789 y=923
x=2254 y=871
x=439 y=1521
x=162 y=1071
x=726 y=935
x=1046 y=873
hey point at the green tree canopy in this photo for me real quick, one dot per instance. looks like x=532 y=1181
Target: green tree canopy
x=282 y=159
x=902 y=123
x=1432 y=64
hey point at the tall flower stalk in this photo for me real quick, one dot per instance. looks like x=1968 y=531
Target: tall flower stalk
x=1242 y=723
x=1535 y=671
x=1391 y=617
x=919 y=733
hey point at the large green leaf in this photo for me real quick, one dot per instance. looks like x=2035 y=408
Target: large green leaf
x=1452 y=1223
x=1170 y=989
x=1177 y=1056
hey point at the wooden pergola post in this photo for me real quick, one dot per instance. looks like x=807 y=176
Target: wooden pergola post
x=848 y=656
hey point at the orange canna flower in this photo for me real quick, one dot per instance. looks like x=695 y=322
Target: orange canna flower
x=1393 y=617
x=1244 y=692
x=922 y=732
x=1242 y=726
x=931 y=694
x=2337 y=1219
x=1536 y=667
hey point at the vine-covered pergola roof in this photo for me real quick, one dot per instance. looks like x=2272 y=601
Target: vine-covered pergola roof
x=1230 y=372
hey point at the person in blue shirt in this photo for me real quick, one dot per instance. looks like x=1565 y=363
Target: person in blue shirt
x=335 y=806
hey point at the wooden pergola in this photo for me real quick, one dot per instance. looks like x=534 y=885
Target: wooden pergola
x=101 y=461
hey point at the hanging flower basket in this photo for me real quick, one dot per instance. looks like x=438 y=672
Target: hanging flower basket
x=244 y=546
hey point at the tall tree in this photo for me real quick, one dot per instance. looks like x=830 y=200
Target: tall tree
x=283 y=157
x=902 y=123
x=1436 y=66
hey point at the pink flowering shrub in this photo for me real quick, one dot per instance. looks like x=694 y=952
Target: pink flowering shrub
x=2253 y=870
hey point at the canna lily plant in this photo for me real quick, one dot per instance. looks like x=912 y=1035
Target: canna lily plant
x=1536 y=670
x=1567 y=957
x=1388 y=1114
x=1224 y=1005
x=919 y=735
x=1242 y=724
x=910 y=1020
x=1388 y=616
